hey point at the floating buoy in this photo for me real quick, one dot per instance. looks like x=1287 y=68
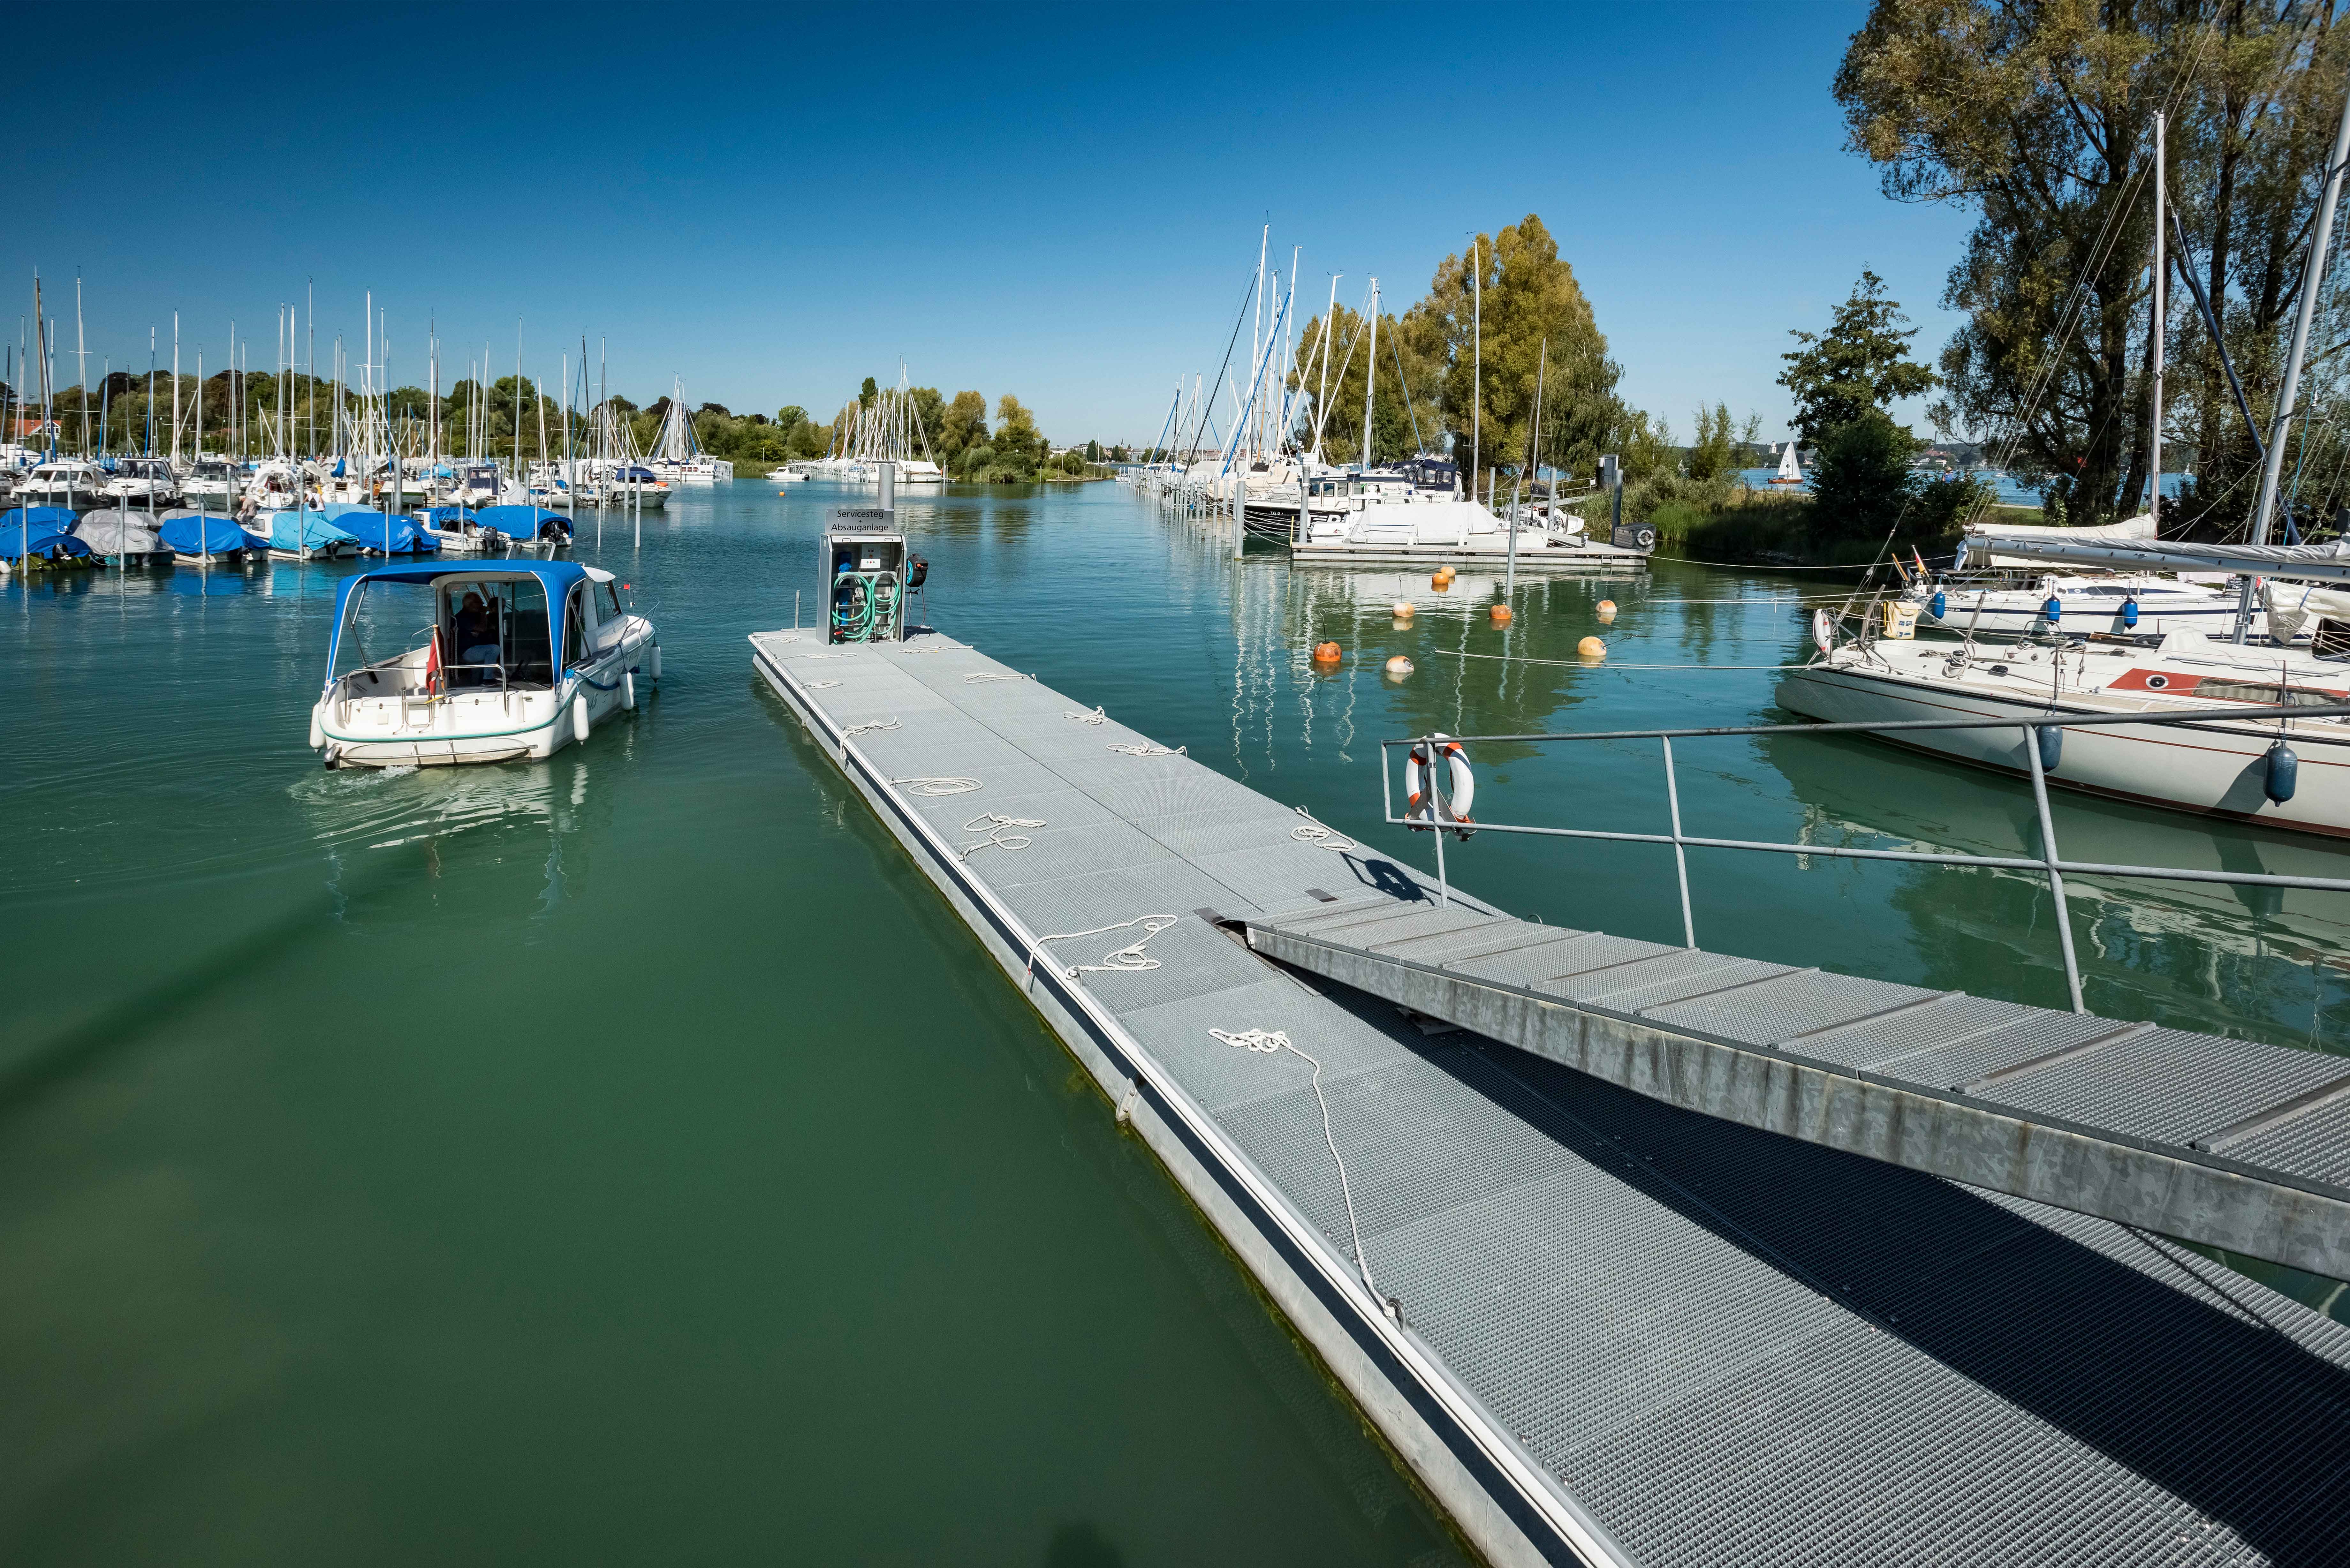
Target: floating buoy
x=1325 y=653
x=1399 y=667
x=1592 y=648
x=1403 y=609
x=1501 y=614
x=1606 y=611
x=1439 y=582
x=1448 y=571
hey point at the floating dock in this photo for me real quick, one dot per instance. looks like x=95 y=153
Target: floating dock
x=1600 y=1327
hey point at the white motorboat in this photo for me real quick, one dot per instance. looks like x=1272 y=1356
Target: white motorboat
x=632 y=484
x=514 y=659
x=142 y=481
x=215 y=480
x=60 y=481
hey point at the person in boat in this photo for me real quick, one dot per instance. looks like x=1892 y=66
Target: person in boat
x=476 y=638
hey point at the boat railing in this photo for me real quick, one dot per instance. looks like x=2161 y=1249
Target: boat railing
x=1434 y=814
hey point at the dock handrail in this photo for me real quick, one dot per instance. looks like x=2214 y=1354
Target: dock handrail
x=1436 y=815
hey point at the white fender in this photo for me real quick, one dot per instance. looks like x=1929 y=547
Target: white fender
x=580 y=720
x=317 y=731
x=1459 y=786
x=655 y=666
x=1822 y=631
x=628 y=689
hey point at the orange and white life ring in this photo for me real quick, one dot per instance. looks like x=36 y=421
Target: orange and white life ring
x=1460 y=783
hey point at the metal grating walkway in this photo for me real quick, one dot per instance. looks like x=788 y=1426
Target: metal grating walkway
x=2230 y=1143
x=1627 y=1331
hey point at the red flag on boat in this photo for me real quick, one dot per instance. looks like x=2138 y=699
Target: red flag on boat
x=433 y=684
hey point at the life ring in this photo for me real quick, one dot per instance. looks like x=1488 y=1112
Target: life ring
x=1460 y=788
x=1822 y=631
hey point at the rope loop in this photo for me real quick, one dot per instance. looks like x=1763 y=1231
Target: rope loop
x=820 y=685
x=1096 y=717
x=1127 y=960
x=1322 y=837
x=939 y=784
x=976 y=676
x=872 y=727
x=995 y=829
x=1271 y=1043
x=1147 y=749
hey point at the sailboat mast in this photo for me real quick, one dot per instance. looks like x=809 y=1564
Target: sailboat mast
x=2153 y=421
x=2313 y=271
x=1370 y=373
x=81 y=364
x=1477 y=367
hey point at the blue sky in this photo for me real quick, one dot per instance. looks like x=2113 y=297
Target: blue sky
x=1058 y=202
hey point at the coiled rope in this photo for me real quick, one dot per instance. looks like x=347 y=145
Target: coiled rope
x=1127 y=960
x=1323 y=838
x=976 y=676
x=995 y=830
x=1272 y=1042
x=941 y=783
x=1096 y=717
x=870 y=727
x=1148 y=749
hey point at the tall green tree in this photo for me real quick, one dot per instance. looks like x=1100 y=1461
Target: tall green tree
x=2037 y=114
x=1531 y=298
x=1858 y=366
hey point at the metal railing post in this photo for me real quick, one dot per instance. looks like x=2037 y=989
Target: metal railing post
x=2048 y=855
x=1436 y=821
x=1681 y=854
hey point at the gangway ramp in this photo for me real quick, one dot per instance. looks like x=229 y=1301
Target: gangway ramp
x=2230 y=1143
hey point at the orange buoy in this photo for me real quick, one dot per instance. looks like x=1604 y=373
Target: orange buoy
x=1399 y=667
x=1441 y=583
x=1325 y=653
x=1592 y=648
x=1607 y=608
x=1501 y=614
x=1403 y=609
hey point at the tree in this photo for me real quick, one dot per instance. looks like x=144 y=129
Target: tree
x=868 y=392
x=1531 y=298
x=963 y=425
x=1864 y=489
x=1859 y=365
x=1093 y=451
x=1716 y=453
x=790 y=417
x=2037 y=114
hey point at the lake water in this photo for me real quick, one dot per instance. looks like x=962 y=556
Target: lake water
x=630 y=1157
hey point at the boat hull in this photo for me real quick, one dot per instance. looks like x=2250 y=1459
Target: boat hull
x=2213 y=769
x=470 y=725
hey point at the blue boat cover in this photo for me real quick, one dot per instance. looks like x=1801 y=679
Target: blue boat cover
x=556 y=577
x=436 y=516
x=200 y=536
x=36 y=530
x=299 y=530
x=392 y=535
x=520 y=522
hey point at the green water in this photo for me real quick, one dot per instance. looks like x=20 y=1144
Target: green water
x=629 y=1157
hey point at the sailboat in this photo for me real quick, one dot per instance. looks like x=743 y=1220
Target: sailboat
x=677 y=453
x=2288 y=771
x=1790 y=471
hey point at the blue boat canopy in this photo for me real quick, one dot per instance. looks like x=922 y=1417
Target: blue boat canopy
x=201 y=536
x=520 y=522
x=36 y=530
x=555 y=578
x=293 y=529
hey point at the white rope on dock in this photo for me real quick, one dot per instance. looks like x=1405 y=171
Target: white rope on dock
x=1148 y=749
x=1323 y=838
x=1127 y=960
x=1271 y=1042
x=976 y=676
x=820 y=685
x=996 y=830
x=871 y=727
x=1096 y=717
x=940 y=784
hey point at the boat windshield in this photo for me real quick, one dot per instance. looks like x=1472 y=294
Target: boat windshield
x=493 y=632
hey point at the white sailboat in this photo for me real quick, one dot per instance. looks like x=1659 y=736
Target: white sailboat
x=676 y=456
x=1790 y=471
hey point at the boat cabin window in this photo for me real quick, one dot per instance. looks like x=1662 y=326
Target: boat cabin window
x=578 y=622
x=610 y=601
x=493 y=632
